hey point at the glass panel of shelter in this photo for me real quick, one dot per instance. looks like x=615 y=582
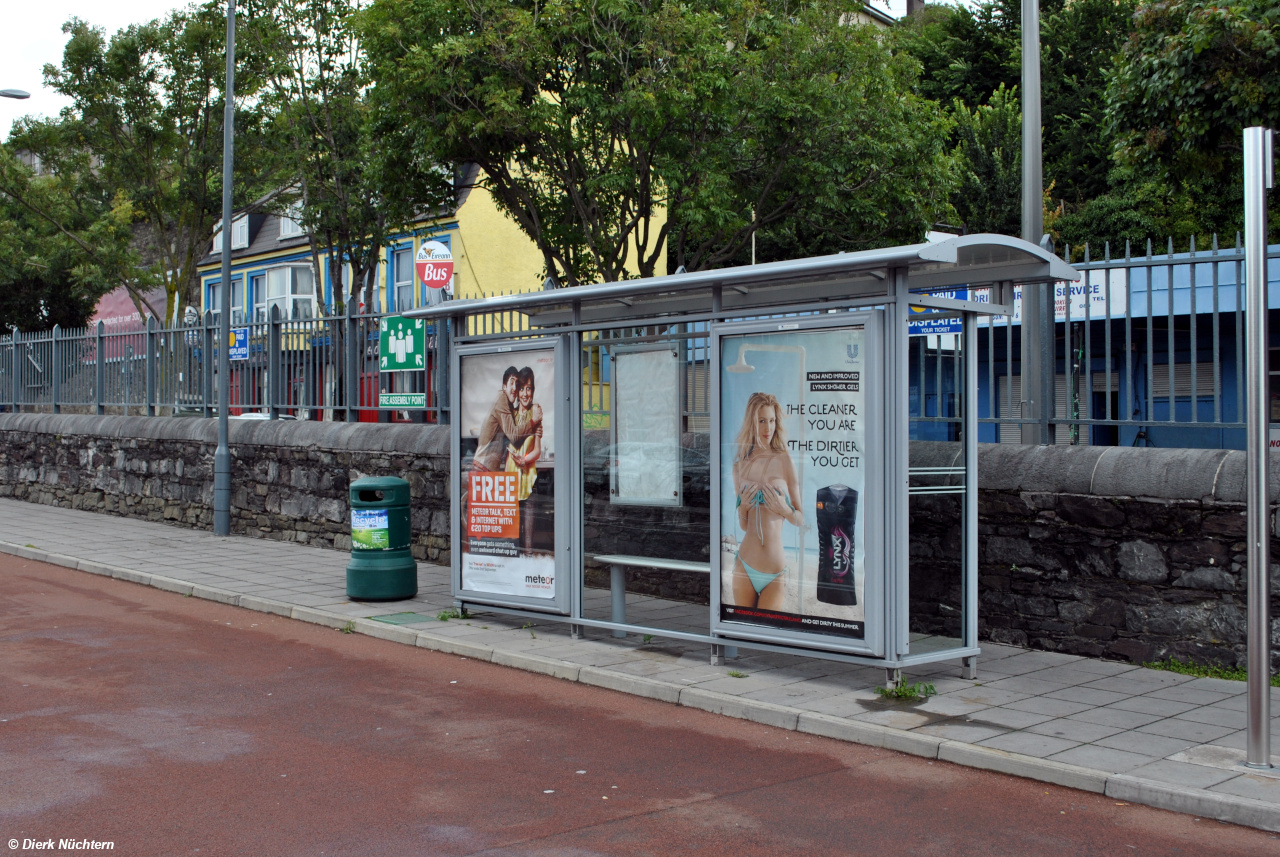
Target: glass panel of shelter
x=646 y=557
x=936 y=494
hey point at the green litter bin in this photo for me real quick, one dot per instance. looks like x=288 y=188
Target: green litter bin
x=381 y=568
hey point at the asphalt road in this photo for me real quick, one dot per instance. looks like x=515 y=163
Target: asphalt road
x=174 y=726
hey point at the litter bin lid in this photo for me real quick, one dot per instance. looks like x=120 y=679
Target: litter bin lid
x=379 y=491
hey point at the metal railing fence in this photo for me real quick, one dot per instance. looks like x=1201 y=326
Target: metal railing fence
x=1146 y=350
x=316 y=368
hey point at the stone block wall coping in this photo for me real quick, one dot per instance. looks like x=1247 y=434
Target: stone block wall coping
x=1214 y=475
x=403 y=438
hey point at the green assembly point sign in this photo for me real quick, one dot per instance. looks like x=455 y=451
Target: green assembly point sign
x=402 y=344
x=402 y=400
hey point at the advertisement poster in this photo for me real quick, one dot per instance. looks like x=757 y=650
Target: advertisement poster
x=508 y=500
x=793 y=485
x=645 y=460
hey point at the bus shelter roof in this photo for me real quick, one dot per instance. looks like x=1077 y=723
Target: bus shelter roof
x=963 y=261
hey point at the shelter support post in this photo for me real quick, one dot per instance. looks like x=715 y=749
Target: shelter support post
x=1257 y=178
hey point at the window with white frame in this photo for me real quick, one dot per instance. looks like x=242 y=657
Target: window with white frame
x=289 y=287
x=402 y=270
x=239 y=234
x=291 y=222
x=237 y=299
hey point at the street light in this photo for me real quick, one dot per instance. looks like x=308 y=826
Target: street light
x=14 y=93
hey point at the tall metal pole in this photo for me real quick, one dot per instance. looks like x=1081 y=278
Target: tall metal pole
x=222 y=457
x=1034 y=399
x=1257 y=178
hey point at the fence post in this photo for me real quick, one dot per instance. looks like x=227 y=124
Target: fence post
x=352 y=385
x=17 y=370
x=100 y=370
x=152 y=359
x=275 y=359
x=57 y=370
x=206 y=365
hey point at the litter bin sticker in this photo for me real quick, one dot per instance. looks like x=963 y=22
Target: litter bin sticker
x=370 y=529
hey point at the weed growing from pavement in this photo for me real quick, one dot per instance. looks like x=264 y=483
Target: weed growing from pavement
x=349 y=628
x=528 y=626
x=1174 y=665
x=737 y=674
x=648 y=638
x=446 y=615
x=908 y=692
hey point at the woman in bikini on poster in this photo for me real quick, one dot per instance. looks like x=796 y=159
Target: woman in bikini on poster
x=768 y=493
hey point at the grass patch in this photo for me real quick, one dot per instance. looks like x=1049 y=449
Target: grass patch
x=446 y=615
x=908 y=692
x=349 y=628
x=737 y=674
x=1174 y=665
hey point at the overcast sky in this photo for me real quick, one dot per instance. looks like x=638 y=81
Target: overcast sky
x=34 y=37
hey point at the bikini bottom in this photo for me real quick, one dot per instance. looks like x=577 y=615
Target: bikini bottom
x=759 y=580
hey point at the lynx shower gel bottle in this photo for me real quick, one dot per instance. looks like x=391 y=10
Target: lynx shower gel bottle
x=836 y=514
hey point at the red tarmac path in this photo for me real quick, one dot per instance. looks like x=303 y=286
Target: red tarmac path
x=175 y=726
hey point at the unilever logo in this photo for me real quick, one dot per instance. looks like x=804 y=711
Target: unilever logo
x=852 y=351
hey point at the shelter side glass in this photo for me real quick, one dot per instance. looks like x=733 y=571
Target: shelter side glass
x=936 y=489
x=646 y=477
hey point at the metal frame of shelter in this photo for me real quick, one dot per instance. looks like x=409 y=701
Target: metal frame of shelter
x=880 y=289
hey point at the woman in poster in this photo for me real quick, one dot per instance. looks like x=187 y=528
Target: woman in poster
x=525 y=450
x=768 y=494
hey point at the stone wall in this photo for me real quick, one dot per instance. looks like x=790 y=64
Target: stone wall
x=289 y=479
x=1136 y=554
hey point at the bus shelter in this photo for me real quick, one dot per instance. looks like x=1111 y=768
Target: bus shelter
x=746 y=457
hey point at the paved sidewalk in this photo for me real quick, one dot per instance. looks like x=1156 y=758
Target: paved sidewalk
x=1134 y=734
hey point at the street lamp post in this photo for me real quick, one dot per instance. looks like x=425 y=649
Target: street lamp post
x=222 y=456
x=1037 y=395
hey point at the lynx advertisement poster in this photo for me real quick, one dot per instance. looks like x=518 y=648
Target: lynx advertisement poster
x=792 y=465
x=508 y=437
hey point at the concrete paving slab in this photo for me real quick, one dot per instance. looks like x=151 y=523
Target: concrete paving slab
x=1157 y=746
x=1102 y=758
x=960 y=730
x=1191 y=695
x=1029 y=744
x=1252 y=786
x=1073 y=730
x=1149 y=705
x=1048 y=705
x=1116 y=717
x=1201 y=733
x=1089 y=696
x=1215 y=717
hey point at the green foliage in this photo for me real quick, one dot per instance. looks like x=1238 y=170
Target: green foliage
x=147 y=107
x=1191 y=77
x=905 y=692
x=989 y=154
x=609 y=132
x=972 y=54
x=316 y=81
x=1200 y=671
x=64 y=240
x=447 y=614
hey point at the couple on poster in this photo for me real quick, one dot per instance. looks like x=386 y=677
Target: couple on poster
x=511 y=437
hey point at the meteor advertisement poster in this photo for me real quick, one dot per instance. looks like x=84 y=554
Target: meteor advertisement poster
x=507 y=480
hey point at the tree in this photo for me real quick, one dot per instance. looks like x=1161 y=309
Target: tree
x=815 y=140
x=1190 y=78
x=969 y=54
x=609 y=132
x=989 y=152
x=147 y=107
x=63 y=242
x=317 y=79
